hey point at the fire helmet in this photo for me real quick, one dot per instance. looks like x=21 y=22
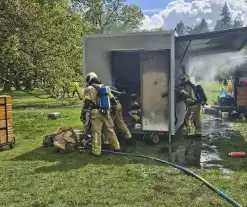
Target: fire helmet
x=90 y=76
x=184 y=78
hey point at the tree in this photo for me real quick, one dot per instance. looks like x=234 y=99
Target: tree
x=103 y=14
x=40 y=44
x=180 y=28
x=238 y=23
x=115 y=28
x=225 y=22
x=190 y=30
x=202 y=27
x=131 y=17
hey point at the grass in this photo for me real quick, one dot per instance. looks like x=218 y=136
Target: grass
x=23 y=100
x=234 y=140
x=34 y=176
x=212 y=90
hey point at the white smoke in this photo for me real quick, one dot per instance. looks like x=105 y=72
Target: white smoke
x=208 y=66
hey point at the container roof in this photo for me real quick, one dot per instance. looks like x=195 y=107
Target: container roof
x=211 y=42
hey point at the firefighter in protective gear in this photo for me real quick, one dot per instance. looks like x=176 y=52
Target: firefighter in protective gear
x=117 y=117
x=99 y=120
x=77 y=89
x=192 y=117
x=135 y=113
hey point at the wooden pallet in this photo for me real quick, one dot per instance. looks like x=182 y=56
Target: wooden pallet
x=242 y=96
x=6 y=128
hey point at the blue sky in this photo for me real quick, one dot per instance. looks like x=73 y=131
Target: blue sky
x=151 y=4
x=190 y=11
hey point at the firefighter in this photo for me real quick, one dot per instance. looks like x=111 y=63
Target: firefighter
x=193 y=105
x=225 y=84
x=99 y=110
x=76 y=88
x=117 y=116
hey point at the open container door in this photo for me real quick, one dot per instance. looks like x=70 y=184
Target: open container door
x=217 y=42
x=126 y=77
x=155 y=81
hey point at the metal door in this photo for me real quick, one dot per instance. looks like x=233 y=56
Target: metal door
x=154 y=82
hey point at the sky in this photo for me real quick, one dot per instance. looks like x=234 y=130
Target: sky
x=167 y=13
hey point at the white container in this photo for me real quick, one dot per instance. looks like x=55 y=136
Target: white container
x=138 y=126
x=156 y=59
x=225 y=115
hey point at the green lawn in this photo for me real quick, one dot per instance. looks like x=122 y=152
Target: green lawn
x=212 y=90
x=34 y=176
x=23 y=100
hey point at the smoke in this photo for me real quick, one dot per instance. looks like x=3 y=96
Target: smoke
x=208 y=66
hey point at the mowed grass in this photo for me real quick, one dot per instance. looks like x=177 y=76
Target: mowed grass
x=34 y=176
x=212 y=90
x=23 y=100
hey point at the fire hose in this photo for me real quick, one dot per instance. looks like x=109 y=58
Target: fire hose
x=183 y=169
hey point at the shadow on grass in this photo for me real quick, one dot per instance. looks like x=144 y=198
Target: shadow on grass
x=43 y=106
x=22 y=94
x=64 y=162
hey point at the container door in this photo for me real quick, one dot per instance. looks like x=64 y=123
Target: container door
x=154 y=82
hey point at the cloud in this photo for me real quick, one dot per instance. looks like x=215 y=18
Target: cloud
x=209 y=21
x=152 y=22
x=191 y=12
x=198 y=19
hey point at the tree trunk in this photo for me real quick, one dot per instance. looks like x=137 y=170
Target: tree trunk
x=28 y=84
x=17 y=85
x=6 y=87
x=15 y=79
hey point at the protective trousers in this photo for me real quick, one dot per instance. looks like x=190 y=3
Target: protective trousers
x=193 y=120
x=119 y=121
x=103 y=122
